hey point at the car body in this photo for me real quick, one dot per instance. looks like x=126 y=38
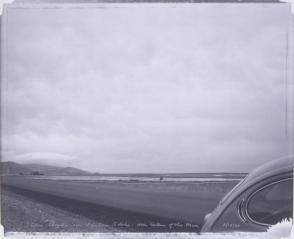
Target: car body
x=262 y=199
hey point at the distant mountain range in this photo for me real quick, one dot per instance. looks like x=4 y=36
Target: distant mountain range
x=12 y=168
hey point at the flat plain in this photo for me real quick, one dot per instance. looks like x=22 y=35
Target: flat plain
x=30 y=204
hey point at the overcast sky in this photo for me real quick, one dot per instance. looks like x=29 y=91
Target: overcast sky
x=146 y=88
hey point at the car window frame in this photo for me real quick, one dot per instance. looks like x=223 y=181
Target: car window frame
x=255 y=192
x=244 y=192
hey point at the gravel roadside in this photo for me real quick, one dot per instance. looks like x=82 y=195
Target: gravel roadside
x=21 y=213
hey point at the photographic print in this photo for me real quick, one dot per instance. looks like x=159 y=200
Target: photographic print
x=146 y=117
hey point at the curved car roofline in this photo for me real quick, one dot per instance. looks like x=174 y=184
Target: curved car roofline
x=271 y=168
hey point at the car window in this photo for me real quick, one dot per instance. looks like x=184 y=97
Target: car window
x=272 y=203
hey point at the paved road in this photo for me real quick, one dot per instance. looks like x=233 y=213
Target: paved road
x=182 y=205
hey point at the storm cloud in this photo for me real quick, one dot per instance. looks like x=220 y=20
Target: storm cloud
x=147 y=87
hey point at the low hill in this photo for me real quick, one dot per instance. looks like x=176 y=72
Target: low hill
x=54 y=170
x=12 y=168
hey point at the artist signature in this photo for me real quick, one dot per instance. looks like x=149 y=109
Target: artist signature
x=231 y=225
x=152 y=224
